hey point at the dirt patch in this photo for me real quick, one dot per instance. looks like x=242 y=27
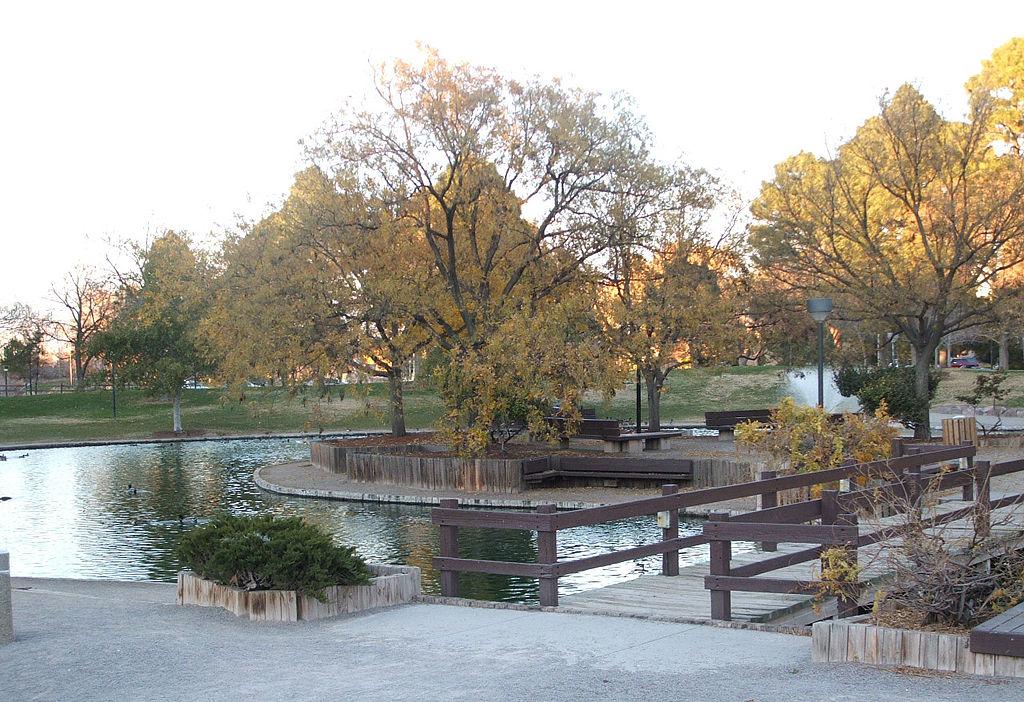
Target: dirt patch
x=901 y=619
x=511 y=452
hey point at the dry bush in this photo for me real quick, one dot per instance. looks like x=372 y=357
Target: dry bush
x=950 y=575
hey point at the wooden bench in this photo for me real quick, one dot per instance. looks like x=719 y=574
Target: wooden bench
x=607 y=468
x=640 y=442
x=1002 y=635
x=589 y=428
x=725 y=422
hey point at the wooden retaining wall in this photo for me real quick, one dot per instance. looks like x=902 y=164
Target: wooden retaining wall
x=382 y=465
x=328 y=456
x=843 y=642
x=715 y=472
x=442 y=473
x=391 y=585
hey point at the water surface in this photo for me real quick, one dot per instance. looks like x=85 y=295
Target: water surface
x=73 y=515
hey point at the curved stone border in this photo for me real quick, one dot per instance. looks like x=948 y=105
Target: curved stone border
x=465 y=500
x=845 y=642
x=389 y=586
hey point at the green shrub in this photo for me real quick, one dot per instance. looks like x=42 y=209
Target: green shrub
x=270 y=553
x=893 y=387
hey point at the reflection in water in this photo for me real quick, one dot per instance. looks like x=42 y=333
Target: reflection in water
x=73 y=515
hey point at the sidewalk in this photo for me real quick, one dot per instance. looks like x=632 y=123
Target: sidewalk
x=88 y=640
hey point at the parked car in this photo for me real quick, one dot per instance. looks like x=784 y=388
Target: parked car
x=964 y=362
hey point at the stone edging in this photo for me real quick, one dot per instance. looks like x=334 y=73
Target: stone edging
x=487 y=604
x=845 y=642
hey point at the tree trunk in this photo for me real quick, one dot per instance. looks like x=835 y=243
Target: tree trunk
x=653 y=381
x=1004 y=351
x=922 y=369
x=397 y=402
x=177 y=410
x=79 y=371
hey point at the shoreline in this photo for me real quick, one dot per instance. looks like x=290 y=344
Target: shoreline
x=182 y=439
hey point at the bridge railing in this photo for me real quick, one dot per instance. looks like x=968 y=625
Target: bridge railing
x=547 y=521
x=839 y=527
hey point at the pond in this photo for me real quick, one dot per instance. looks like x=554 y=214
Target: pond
x=73 y=515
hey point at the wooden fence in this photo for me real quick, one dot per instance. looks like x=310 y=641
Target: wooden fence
x=440 y=473
x=547 y=522
x=837 y=513
x=386 y=465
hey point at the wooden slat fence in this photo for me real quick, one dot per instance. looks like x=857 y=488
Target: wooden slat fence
x=547 y=522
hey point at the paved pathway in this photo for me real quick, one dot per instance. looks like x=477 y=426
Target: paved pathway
x=84 y=641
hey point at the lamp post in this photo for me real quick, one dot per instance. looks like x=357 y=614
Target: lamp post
x=638 y=417
x=819 y=308
x=5 y=381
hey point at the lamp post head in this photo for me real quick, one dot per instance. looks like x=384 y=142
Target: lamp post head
x=819 y=308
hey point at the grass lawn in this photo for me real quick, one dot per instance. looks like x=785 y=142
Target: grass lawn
x=960 y=381
x=690 y=393
x=87 y=415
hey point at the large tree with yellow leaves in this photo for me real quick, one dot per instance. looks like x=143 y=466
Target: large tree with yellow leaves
x=910 y=222
x=501 y=184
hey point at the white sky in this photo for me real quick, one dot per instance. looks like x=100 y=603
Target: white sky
x=122 y=119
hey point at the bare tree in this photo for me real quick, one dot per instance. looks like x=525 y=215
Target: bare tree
x=87 y=304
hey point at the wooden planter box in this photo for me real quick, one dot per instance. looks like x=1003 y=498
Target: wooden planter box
x=844 y=642
x=389 y=586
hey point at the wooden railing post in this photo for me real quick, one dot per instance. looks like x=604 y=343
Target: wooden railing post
x=670 y=560
x=847 y=602
x=768 y=500
x=915 y=489
x=547 y=554
x=829 y=506
x=449 y=549
x=721 y=555
x=983 y=492
x=968 y=490
x=897 y=448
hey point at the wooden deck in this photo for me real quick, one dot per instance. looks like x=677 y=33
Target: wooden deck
x=683 y=597
x=1002 y=635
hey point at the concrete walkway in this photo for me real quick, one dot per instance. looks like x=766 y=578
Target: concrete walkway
x=82 y=640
